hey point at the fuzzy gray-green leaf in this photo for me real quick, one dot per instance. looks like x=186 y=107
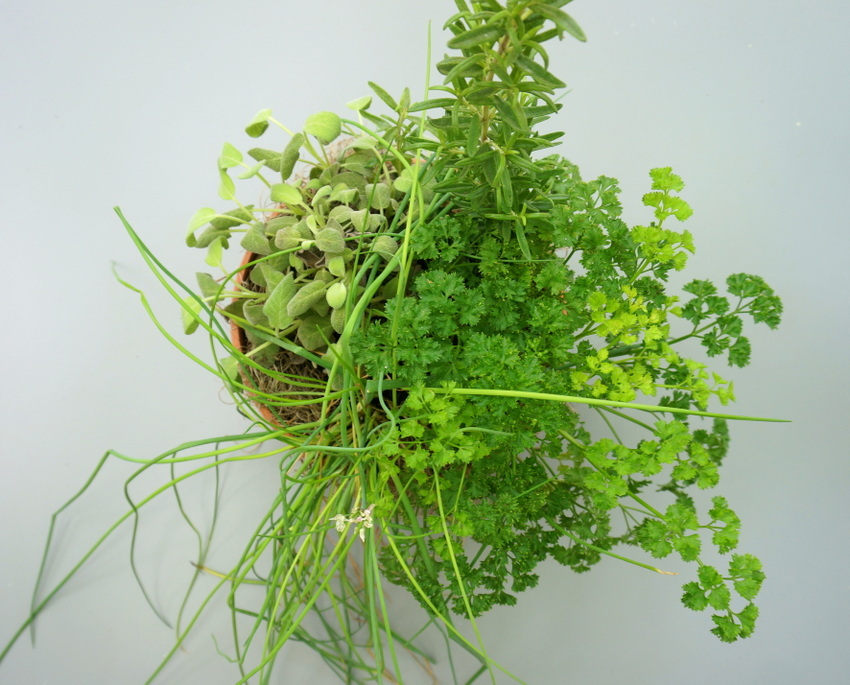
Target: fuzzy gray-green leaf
x=314 y=332
x=336 y=265
x=278 y=300
x=378 y=195
x=331 y=240
x=256 y=241
x=326 y=126
x=258 y=125
x=190 y=314
x=269 y=158
x=209 y=287
x=290 y=155
x=385 y=246
x=336 y=295
x=253 y=311
x=305 y=298
x=338 y=319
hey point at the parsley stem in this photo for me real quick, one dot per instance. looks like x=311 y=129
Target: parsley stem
x=606 y=552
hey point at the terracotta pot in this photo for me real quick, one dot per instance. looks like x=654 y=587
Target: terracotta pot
x=240 y=341
x=237 y=335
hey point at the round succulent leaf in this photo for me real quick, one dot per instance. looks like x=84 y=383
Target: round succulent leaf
x=325 y=126
x=336 y=295
x=308 y=295
x=287 y=194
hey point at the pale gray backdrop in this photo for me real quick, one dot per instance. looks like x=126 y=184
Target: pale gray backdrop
x=107 y=103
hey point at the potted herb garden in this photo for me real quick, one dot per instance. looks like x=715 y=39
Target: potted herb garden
x=417 y=322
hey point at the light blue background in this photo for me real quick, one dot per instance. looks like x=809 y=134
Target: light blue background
x=110 y=103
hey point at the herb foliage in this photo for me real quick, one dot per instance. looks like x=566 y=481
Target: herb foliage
x=462 y=299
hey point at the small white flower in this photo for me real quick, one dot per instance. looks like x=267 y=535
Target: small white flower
x=340 y=521
x=363 y=521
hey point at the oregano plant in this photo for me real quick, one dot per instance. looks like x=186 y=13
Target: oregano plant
x=425 y=310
